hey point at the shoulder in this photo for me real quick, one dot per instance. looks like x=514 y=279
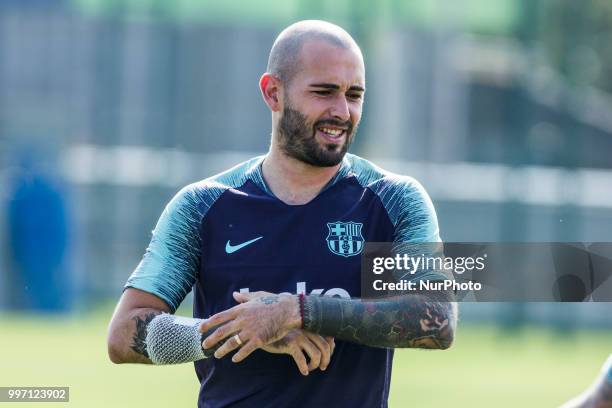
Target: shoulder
x=383 y=182
x=199 y=196
x=407 y=203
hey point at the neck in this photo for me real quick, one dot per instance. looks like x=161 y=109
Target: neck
x=293 y=181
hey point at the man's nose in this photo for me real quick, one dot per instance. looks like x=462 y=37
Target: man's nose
x=340 y=109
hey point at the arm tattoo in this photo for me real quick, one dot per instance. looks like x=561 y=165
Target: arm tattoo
x=416 y=320
x=140 y=334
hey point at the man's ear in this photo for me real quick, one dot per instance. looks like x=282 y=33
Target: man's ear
x=270 y=88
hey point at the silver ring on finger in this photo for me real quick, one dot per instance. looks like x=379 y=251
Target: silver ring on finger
x=237 y=339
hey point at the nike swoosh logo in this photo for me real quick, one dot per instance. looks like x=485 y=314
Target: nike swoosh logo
x=230 y=249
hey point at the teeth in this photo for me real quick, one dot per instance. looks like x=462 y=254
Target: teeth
x=332 y=132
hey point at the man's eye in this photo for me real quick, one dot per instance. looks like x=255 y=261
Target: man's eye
x=354 y=96
x=322 y=92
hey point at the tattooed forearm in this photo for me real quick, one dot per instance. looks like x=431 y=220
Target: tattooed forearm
x=418 y=321
x=140 y=334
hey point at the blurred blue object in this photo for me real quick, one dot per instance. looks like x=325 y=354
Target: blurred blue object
x=38 y=240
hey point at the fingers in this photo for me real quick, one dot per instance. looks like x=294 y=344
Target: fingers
x=323 y=349
x=245 y=297
x=332 y=343
x=300 y=360
x=313 y=352
x=230 y=345
x=242 y=297
x=218 y=335
x=246 y=350
x=218 y=319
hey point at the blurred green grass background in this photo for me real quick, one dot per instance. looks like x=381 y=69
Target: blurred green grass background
x=486 y=367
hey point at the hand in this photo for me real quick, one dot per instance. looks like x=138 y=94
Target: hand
x=263 y=319
x=298 y=342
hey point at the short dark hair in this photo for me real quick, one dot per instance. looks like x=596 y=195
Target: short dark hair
x=283 y=61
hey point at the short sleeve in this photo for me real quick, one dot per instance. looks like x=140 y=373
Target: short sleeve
x=171 y=263
x=417 y=221
x=416 y=226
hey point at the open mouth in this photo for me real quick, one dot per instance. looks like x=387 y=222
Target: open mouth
x=331 y=134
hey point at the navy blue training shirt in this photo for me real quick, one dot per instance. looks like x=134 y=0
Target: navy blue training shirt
x=230 y=233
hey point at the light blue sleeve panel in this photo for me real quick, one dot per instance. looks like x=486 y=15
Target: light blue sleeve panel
x=409 y=208
x=171 y=264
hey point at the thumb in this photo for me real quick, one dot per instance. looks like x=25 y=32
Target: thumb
x=242 y=297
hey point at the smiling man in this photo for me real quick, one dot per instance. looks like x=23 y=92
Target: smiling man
x=292 y=221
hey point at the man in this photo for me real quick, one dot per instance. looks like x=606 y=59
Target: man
x=294 y=220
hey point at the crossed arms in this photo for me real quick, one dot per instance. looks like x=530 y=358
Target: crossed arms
x=274 y=323
x=417 y=321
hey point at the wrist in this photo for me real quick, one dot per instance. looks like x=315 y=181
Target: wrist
x=302 y=300
x=295 y=316
x=307 y=305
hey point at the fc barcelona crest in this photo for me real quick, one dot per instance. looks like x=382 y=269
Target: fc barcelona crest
x=345 y=238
